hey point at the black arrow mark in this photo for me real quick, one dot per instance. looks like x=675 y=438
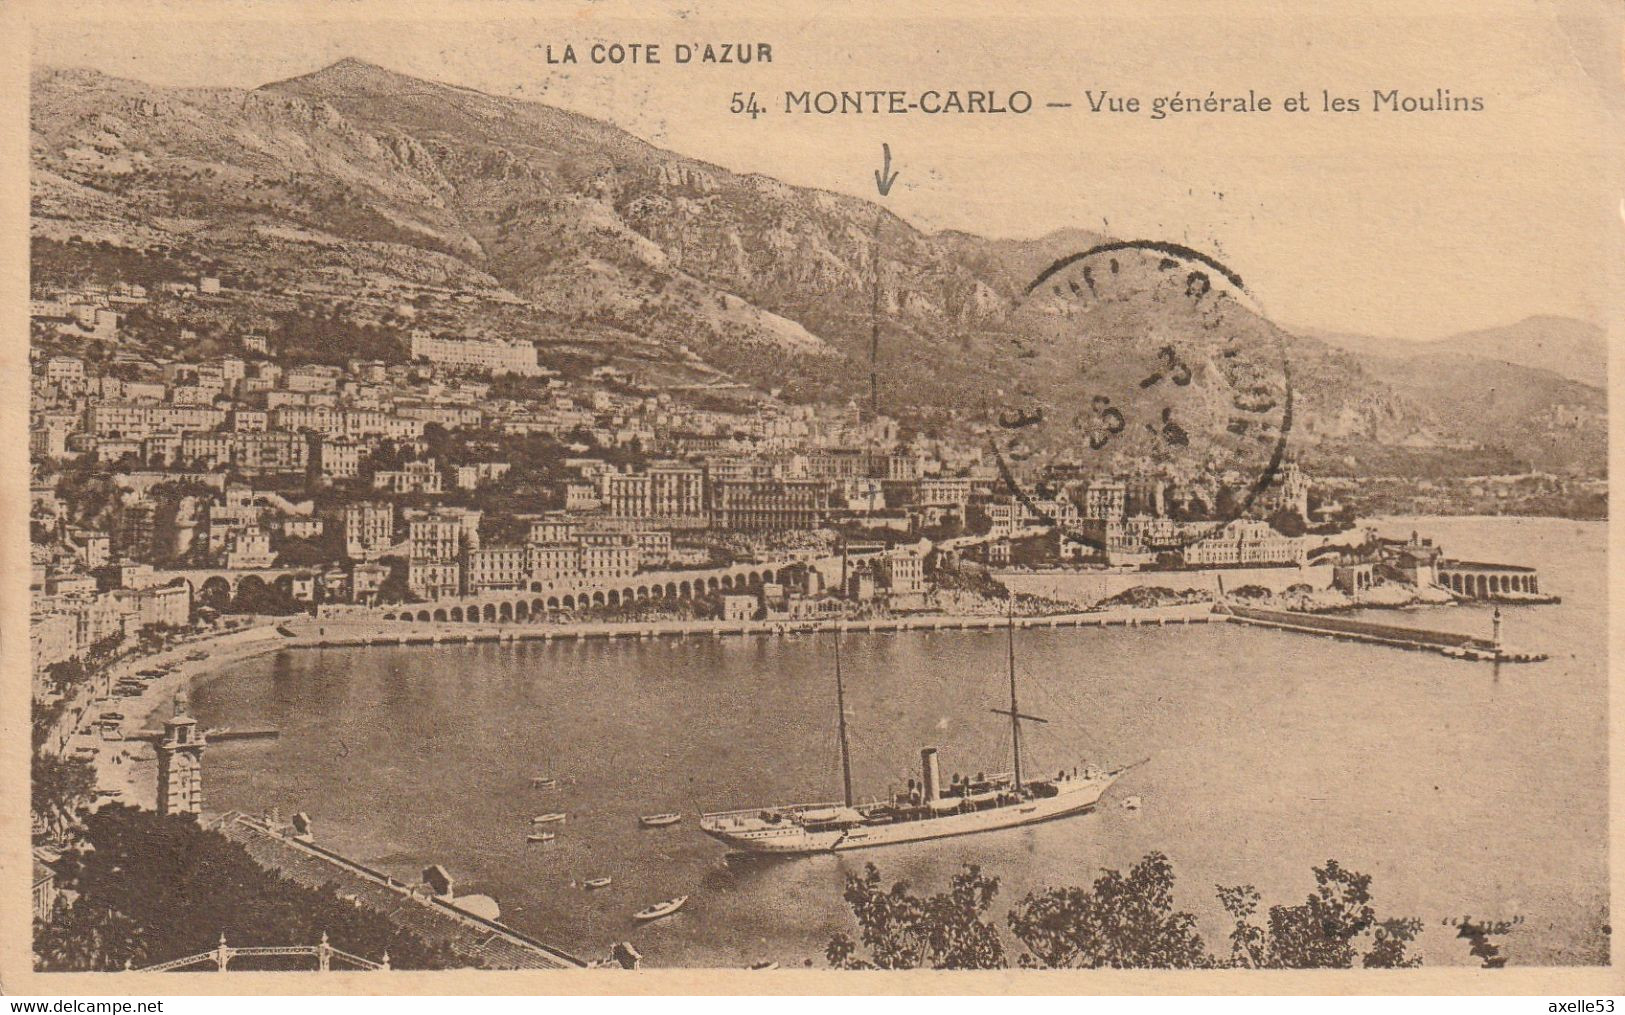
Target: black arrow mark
x=874 y=318
x=884 y=177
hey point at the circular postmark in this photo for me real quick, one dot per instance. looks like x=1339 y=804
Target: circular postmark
x=1149 y=400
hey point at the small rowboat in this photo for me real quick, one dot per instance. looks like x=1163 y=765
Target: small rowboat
x=660 y=909
x=548 y=819
x=544 y=782
x=592 y=883
x=659 y=820
x=540 y=837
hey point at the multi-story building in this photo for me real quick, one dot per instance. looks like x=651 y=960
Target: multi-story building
x=943 y=491
x=337 y=457
x=271 y=451
x=248 y=548
x=412 y=477
x=757 y=505
x=472 y=477
x=428 y=579
x=369 y=530
x=131 y=419
x=484 y=355
x=302 y=528
x=53 y=636
x=1020 y=513
x=366 y=581
x=1245 y=542
x=65 y=372
x=654 y=546
x=553 y=529
x=322 y=419
x=44 y=442
x=437 y=543
x=311 y=377
x=581 y=497
x=666 y=490
x=552 y=561
x=602 y=559
x=1261 y=544
x=496 y=567
x=432 y=536
x=449 y=416
x=165 y=605
x=901 y=572
x=207 y=450
x=251 y=420
x=1104 y=498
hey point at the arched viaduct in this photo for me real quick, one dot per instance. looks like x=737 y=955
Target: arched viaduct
x=542 y=599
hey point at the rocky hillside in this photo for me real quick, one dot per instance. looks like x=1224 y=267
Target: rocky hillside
x=395 y=199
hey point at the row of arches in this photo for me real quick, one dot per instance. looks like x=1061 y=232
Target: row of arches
x=1482 y=585
x=686 y=589
x=521 y=609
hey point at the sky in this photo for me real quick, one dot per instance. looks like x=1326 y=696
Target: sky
x=1412 y=225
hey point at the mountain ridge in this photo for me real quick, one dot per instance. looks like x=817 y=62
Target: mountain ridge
x=1564 y=346
x=373 y=188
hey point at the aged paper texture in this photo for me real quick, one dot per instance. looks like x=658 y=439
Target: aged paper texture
x=594 y=498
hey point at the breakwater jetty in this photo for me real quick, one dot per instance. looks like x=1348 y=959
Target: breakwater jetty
x=336 y=634
x=1456 y=646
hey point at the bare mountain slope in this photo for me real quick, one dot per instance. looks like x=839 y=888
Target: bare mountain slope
x=389 y=197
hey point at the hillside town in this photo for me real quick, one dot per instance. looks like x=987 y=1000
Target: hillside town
x=169 y=491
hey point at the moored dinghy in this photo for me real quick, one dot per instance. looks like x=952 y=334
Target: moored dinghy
x=659 y=820
x=660 y=909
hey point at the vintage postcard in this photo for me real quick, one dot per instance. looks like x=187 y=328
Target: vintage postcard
x=577 y=497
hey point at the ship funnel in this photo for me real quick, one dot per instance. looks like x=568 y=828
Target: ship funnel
x=929 y=774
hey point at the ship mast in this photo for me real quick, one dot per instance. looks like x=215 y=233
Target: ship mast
x=1014 y=712
x=840 y=696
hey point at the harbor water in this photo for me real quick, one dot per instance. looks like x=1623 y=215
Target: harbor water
x=1464 y=789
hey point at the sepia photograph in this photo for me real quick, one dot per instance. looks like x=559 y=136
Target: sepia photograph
x=567 y=489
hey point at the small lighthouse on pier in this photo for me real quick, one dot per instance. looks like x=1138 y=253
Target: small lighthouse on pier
x=1495 y=631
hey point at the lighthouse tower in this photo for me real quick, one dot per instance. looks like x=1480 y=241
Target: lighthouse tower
x=1495 y=628
x=180 y=763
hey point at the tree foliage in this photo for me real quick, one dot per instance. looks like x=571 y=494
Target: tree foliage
x=1121 y=921
x=58 y=787
x=1324 y=932
x=152 y=887
x=904 y=931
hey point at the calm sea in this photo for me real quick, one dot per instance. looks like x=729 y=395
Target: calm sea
x=1463 y=789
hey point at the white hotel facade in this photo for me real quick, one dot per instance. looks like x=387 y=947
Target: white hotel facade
x=483 y=354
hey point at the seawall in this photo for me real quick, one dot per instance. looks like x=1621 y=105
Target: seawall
x=1086 y=588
